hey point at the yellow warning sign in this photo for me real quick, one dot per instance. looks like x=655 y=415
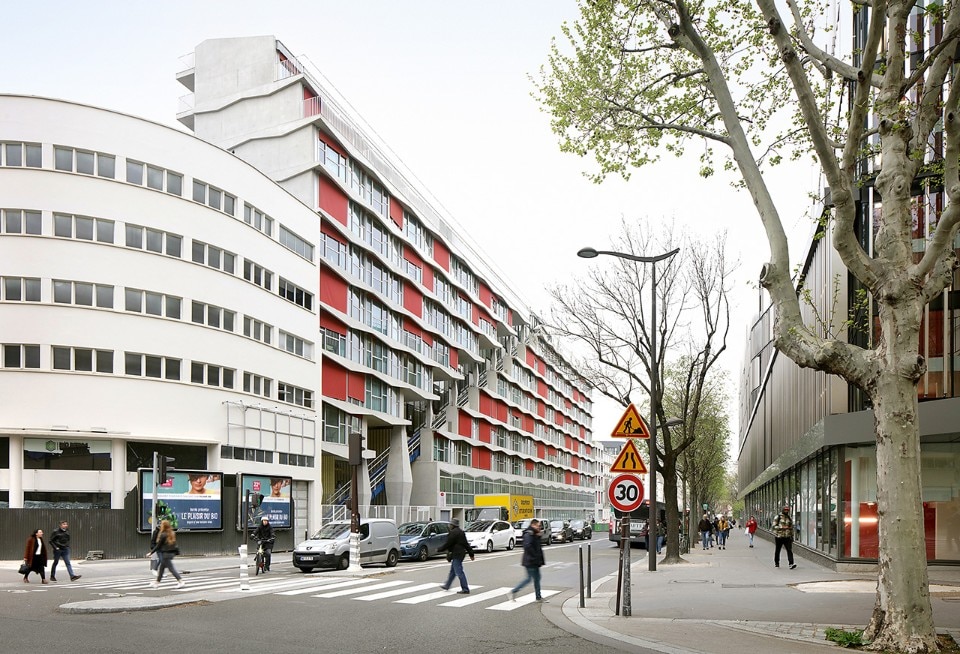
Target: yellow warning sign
x=629 y=460
x=631 y=425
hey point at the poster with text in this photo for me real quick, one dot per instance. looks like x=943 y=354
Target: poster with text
x=190 y=499
x=276 y=505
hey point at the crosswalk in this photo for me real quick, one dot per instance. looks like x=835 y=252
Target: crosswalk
x=364 y=589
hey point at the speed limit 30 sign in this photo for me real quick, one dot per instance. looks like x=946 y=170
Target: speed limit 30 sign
x=626 y=493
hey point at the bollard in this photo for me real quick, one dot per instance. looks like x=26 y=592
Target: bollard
x=589 y=572
x=244 y=574
x=580 y=552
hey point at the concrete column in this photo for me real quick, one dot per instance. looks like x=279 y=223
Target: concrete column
x=118 y=466
x=16 y=472
x=855 y=507
x=399 y=479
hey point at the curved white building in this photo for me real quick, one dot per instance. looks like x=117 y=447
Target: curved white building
x=157 y=294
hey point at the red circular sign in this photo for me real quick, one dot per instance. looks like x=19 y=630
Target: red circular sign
x=626 y=493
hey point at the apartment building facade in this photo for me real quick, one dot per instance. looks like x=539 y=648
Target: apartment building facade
x=157 y=295
x=453 y=382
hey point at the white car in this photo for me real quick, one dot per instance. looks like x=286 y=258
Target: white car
x=488 y=535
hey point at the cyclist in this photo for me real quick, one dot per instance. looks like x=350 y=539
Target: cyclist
x=264 y=534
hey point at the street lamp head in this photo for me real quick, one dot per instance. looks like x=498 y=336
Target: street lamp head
x=673 y=422
x=587 y=253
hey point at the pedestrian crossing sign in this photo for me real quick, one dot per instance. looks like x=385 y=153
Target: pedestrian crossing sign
x=629 y=460
x=631 y=425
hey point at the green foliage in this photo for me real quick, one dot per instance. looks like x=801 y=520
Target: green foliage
x=844 y=638
x=164 y=512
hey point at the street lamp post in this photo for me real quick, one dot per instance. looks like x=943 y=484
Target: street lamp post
x=590 y=253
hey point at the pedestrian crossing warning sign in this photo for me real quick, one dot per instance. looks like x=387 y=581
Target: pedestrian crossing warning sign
x=629 y=460
x=631 y=425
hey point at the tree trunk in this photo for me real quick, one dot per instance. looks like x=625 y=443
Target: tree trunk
x=670 y=499
x=902 y=617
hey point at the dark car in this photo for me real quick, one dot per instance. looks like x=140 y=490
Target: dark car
x=560 y=531
x=581 y=529
x=421 y=540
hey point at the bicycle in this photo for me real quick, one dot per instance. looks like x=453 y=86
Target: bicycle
x=262 y=559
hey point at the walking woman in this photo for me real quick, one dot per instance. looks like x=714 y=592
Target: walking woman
x=167 y=548
x=35 y=556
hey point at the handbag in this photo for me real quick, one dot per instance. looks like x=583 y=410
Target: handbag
x=449 y=556
x=24 y=568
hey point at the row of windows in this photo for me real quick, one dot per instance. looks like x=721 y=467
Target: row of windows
x=27 y=289
x=265 y=456
x=371 y=352
x=80 y=359
x=21 y=154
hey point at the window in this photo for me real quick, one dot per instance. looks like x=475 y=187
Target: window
x=256 y=218
x=156 y=178
x=257 y=274
x=257 y=385
x=214 y=257
x=334 y=251
x=213 y=197
x=20 y=221
x=21 y=289
x=82 y=161
x=294 y=395
x=153 y=304
x=334 y=342
x=16 y=355
x=212 y=316
x=83 y=228
x=211 y=375
x=333 y=161
x=296 y=345
x=21 y=154
x=295 y=294
x=146 y=365
x=261 y=331
x=153 y=240
x=293 y=242
x=82 y=359
x=83 y=294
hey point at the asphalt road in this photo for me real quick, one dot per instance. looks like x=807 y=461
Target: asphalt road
x=360 y=620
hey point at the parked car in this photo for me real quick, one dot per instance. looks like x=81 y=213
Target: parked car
x=421 y=540
x=581 y=529
x=560 y=531
x=488 y=535
x=520 y=525
x=330 y=547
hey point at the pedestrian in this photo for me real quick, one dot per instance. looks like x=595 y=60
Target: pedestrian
x=704 y=527
x=60 y=542
x=35 y=556
x=457 y=548
x=167 y=548
x=751 y=528
x=532 y=561
x=155 y=557
x=723 y=530
x=661 y=535
x=783 y=533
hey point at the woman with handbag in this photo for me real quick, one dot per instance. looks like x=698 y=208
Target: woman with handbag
x=34 y=557
x=166 y=546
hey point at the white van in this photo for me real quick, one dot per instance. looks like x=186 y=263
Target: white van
x=330 y=547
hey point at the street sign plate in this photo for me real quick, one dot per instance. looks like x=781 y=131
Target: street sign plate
x=626 y=492
x=629 y=460
x=631 y=425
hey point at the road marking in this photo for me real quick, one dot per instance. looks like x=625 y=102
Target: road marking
x=521 y=601
x=395 y=592
x=351 y=591
x=429 y=596
x=475 y=599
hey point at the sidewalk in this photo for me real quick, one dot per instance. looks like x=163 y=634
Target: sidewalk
x=733 y=600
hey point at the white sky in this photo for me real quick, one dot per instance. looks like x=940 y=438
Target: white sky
x=444 y=83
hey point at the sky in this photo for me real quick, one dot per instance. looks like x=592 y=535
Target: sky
x=445 y=84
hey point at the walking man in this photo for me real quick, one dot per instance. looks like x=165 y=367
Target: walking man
x=704 y=527
x=60 y=541
x=783 y=531
x=532 y=561
x=457 y=547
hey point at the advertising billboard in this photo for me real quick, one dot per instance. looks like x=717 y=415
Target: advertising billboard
x=276 y=503
x=190 y=499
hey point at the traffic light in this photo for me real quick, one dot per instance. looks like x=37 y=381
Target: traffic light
x=164 y=466
x=256 y=499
